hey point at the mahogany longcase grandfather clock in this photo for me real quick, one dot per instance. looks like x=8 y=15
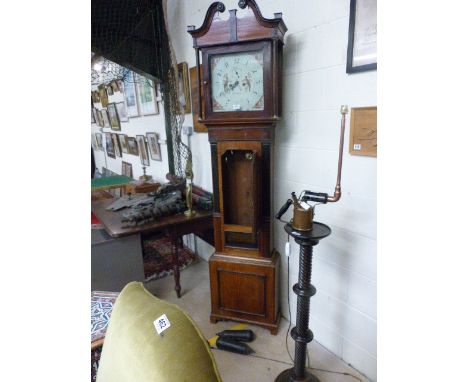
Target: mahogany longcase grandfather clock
x=240 y=93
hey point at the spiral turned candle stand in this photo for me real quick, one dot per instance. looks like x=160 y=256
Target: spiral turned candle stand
x=301 y=333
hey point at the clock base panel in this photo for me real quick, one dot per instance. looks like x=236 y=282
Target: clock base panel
x=245 y=289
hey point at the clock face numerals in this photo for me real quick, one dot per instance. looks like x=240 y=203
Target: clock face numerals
x=237 y=82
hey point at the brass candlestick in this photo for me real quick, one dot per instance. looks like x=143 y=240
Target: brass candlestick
x=145 y=177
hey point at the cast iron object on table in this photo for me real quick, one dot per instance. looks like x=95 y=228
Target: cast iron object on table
x=301 y=333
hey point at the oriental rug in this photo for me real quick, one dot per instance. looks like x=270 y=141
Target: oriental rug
x=102 y=304
x=157 y=257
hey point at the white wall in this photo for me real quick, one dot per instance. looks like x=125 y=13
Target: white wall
x=135 y=126
x=343 y=312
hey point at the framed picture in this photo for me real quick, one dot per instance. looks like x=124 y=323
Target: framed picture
x=109 y=90
x=105 y=118
x=363 y=131
x=122 y=111
x=362 y=36
x=110 y=150
x=103 y=95
x=123 y=143
x=95 y=96
x=116 y=143
x=115 y=86
x=99 y=118
x=184 y=88
x=130 y=96
x=154 y=147
x=143 y=149
x=158 y=92
x=121 y=85
x=98 y=137
x=127 y=169
x=93 y=142
x=113 y=116
x=95 y=115
x=146 y=96
x=132 y=146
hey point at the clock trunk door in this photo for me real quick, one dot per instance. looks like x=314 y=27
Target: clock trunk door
x=236 y=81
x=239 y=169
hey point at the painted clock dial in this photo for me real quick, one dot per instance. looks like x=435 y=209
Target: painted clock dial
x=237 y=82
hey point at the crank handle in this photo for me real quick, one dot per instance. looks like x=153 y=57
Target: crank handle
x=283 y=209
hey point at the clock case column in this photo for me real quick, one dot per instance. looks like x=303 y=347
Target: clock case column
x=244 y=271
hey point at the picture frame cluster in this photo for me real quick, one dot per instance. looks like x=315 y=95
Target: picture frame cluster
x=145 y=146
x=140 y=98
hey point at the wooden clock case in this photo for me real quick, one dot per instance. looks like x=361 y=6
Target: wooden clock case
x=244 y=271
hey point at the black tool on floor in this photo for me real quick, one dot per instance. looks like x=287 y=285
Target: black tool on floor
x=233 y=346
x=238 y=335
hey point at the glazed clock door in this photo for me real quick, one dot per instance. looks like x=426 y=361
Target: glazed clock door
x=237 y=84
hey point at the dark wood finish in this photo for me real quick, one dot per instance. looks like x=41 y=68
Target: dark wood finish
x=173 y=226
x=236 y=116
x=112 y=221
x=245 y=289
x=244 y=271
x=197 y=125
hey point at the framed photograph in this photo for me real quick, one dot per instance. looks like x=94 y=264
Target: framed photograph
x=362 y=36
x=95 y=96
x=98 y=137
x=95 y=115
x=113 y=116
x=127 y=169
x=115 y=86
x=93 y=142
x=154 y=147
x=105 y=118
x=143 y=149
x=121 y=85
x=116 y=143
x=158 y=92
x=132 y=146
x=110 y=150
x=130 y=96
x=103 y=95
x=123 y=143
x=99 y=118
x=184 y=87
x=122 y=111
x=146 y=96
x=109 y=90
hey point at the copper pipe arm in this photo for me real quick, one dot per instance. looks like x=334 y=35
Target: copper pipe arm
x=337 y=195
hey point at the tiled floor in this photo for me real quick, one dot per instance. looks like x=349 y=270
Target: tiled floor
x=270 y=357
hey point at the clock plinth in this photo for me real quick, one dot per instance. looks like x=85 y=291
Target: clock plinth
x=244 y=289
x=241 y=79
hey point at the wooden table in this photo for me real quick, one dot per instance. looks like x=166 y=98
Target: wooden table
x=173 y=226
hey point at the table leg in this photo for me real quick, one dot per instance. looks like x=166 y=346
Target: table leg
x=175 y=264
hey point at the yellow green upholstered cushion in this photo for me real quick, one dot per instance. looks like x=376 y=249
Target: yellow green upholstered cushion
x=134 y=352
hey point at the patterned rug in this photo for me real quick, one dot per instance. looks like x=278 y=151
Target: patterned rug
x=102 y=304
x=157 y=258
